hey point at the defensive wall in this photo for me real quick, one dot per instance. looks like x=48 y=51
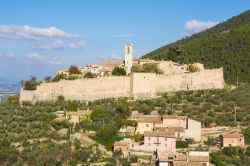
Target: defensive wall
x=137 y=85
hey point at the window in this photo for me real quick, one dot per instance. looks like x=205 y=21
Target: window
x=204 y=164
x=157 y=139
x=166 y=139
x=149 y=144
x=149 y=138
x=147 y=125
x=166 y=145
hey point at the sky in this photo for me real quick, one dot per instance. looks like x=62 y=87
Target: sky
x=41 y=37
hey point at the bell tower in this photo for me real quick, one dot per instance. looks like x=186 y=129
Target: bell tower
x=128 y=57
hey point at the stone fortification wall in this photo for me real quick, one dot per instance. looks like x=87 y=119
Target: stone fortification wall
x=206 y=79
x=143 y=85
x=80 y=89
x=137 y=85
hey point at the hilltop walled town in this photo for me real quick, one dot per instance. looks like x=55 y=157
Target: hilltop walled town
x=140 y=84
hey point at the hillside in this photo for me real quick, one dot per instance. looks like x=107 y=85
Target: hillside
x=226 y=44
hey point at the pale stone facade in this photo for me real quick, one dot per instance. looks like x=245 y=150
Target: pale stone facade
x=193 y=158
x=182 y=126
x=128 y=57
x=232 y=140
x=137 y=85
x=160 y=141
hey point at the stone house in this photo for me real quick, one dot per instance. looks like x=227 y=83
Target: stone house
x=193 y=158
x=174 y=121
x=178 y=131
x=181 y=126
x=147 y=123
x=232 y=140
x=123 y=146
x=75 y=117
x=159 y=141
x=192 y=128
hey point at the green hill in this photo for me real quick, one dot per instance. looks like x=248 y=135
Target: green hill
x=226 y=44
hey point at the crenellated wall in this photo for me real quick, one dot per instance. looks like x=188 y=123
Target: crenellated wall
x=137 y=85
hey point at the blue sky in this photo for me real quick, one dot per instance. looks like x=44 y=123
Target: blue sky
x=40 y=37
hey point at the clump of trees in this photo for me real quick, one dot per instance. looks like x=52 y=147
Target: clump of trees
x=147 y=68
x=89 y=75
x=231 y=156
x=58 y=77
x=30 y=84
x=118 y=71
x=74 y=70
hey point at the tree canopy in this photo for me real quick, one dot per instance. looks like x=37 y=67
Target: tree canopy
x=225 y=45
x=118 y=71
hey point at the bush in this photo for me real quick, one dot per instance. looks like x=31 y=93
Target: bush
x=137 y=137
x=147 y=68
x=192 y=68
x=30 y=84
x=47 y=79
x=89 y=75
x=181 y=144
x=74 y=70
x=58 y=77
x=118 y=71
x=134 y=159
x=231 y=151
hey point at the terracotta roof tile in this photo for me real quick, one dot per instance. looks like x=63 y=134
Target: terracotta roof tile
x=159 y=134
x=232 y=135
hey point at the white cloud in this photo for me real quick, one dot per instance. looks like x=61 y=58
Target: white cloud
x=194 y=26
x=34 y=57
x=58 y=44
x=125 y=35
x=7 y=56
x=33 y=33
x=42 y=38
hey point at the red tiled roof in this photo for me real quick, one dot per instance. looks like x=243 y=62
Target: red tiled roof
x=232 y=135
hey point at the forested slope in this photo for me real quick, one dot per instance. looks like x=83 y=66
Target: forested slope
x=227 y=44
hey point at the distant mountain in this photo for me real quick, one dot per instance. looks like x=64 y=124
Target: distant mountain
x=226 y=44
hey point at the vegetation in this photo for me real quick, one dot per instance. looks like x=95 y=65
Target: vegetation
x=89 y=75
x=227 y=44
x=118 y=71
x=231 y=156
x=58 y=77
x=74 y=70
x=192 y=68
x=30 y=84
x=147 y=68
x=181 y=144
x=47 y=79
x=33 y=128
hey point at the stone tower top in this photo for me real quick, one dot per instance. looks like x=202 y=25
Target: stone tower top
x=128 y=57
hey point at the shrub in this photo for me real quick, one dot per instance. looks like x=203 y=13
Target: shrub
x=74 y=70
x=133 y=159
x=58 y=77
x=47 y=79
x=181 y=144
x=192 y=68
x=118 y=71
x=89 y=75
